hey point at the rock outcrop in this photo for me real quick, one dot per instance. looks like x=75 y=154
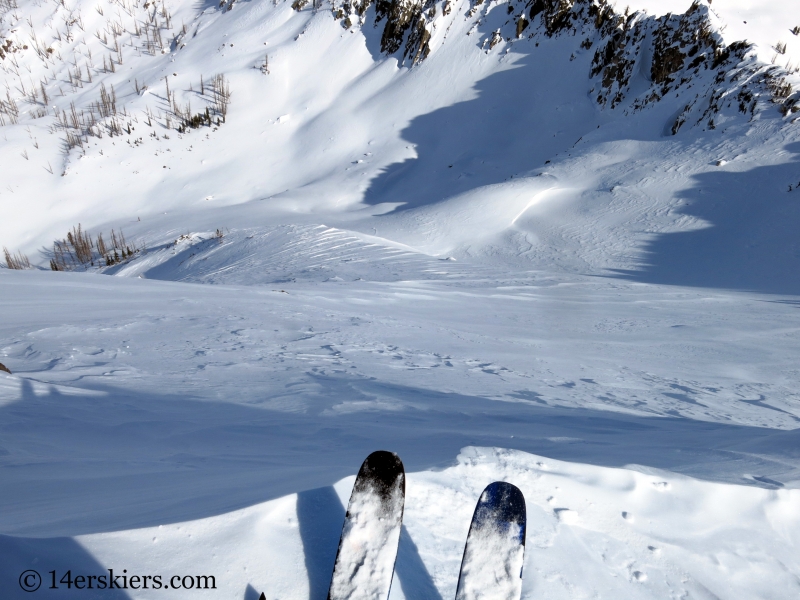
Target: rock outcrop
x=675 y=52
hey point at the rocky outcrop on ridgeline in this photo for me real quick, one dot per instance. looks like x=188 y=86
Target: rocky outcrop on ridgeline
x=664 y=55
x=673 y=53
x=406 y=23
x=681 y=52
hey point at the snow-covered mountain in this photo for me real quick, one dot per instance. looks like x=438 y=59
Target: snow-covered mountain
x=323 y=127
x=552 y=242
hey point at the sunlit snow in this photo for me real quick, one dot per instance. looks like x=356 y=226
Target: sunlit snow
x=470 y=261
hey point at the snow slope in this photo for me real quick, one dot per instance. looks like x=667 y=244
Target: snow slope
x=158 y=402
x=338 y=134
x=548 y=258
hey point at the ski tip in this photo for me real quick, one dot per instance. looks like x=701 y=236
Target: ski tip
x=495 y=545
x=382 y=470
x=383 y=460
x=382 y=464
x=504 y=502
x=262 y=596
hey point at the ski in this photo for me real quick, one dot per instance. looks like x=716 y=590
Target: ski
x=495 y=548
x=371 y=531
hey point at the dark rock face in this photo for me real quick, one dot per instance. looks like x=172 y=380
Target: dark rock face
x=666 y=62
x=405 y=23
x=677 y=51
x=399 y=16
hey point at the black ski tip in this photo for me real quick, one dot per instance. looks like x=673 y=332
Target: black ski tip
x=262 y=596
x=502 y=502
x=383 y=460
x=380 y=470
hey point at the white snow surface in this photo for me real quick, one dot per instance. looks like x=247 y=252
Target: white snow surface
x=467 y=261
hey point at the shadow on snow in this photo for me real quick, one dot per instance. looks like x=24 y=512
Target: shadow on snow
x=165 y=459
x=320 y=516
x=751 y=242
x=62 y=554
x=119 y=460
x=518 y=120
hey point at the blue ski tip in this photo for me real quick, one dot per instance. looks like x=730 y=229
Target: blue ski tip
x=501 y=503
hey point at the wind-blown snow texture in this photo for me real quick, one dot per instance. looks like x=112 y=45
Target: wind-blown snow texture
x=546 y=243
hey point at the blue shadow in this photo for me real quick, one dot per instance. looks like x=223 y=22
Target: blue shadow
x=43 y=555
x=411 y=572
x=320 y=515
x=751 y=241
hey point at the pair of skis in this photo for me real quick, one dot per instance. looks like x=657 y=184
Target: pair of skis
x=491 y=567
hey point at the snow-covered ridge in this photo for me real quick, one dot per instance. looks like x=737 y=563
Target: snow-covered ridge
x=671 y=50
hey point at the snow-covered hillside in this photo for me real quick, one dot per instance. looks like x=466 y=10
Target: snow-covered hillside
x=552 y=242
x=332 y=131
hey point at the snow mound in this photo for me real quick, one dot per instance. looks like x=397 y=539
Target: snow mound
x=284 y=254
x=689 y=538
